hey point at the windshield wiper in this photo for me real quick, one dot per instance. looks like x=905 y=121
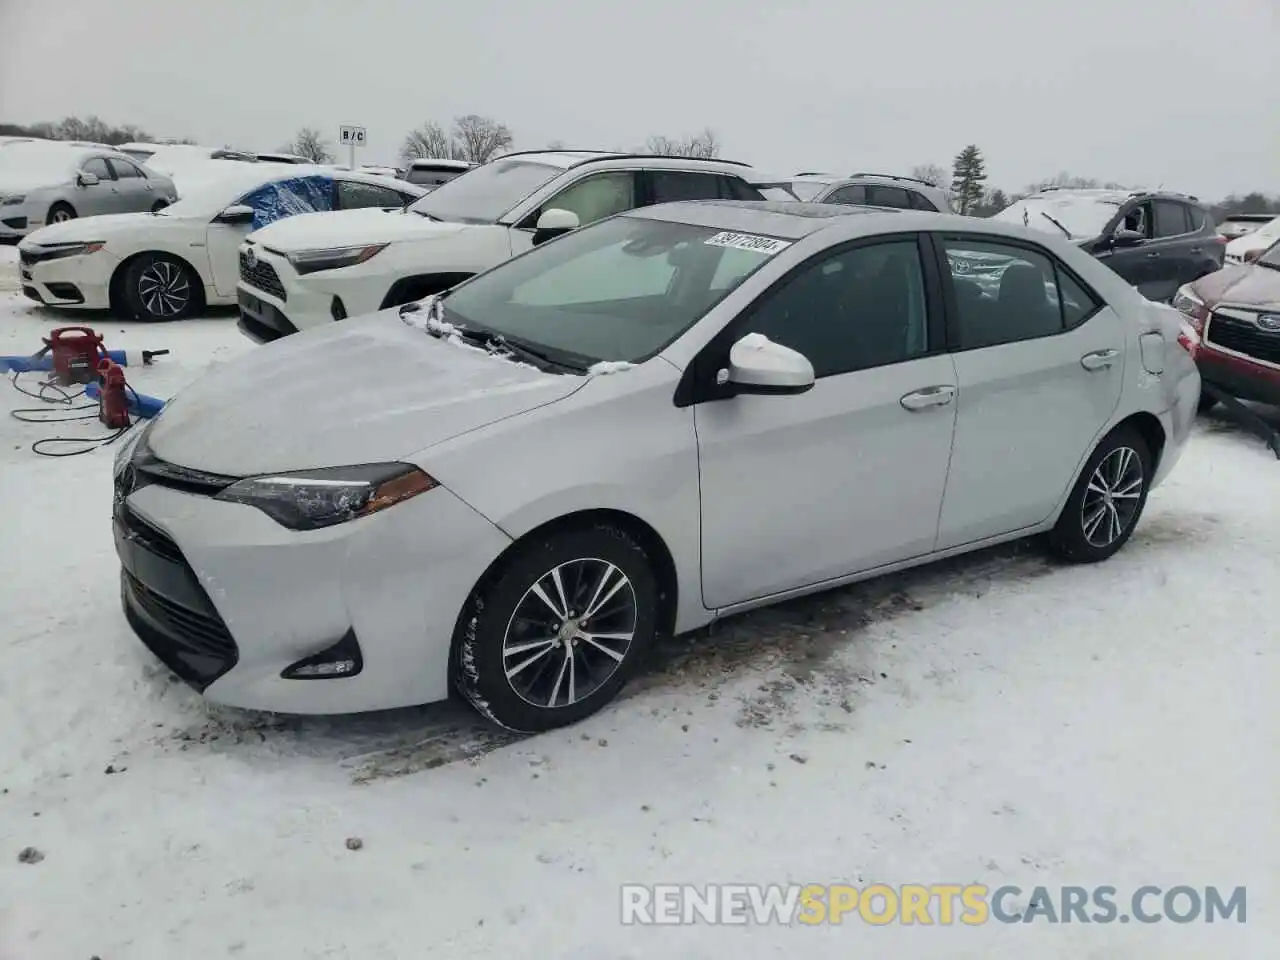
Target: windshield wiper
x=497 y=343
x=1056 y=224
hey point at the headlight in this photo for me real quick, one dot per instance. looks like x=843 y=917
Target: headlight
x=310 y=261
x=132 y=443
x=311 y=499
x=10 y=201
x=1188 y=304
x=56 y=251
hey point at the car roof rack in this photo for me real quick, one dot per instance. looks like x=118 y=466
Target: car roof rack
x=814 y=173
x=893 y=176
x=1163 y=193
x=655 y=156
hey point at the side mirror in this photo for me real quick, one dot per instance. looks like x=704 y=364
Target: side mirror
x=1128 y=238
x=86 y=179
x=1254 y=254
x=758 y=365
x=236 y=213
x=554 y=223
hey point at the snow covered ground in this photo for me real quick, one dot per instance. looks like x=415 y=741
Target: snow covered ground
x=995 y=719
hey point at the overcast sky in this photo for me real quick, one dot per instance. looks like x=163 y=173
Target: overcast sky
x=1150 y=92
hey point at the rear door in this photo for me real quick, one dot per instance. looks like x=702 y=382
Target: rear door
x=135 y=190
x=1040 y=363
x=1175 y=262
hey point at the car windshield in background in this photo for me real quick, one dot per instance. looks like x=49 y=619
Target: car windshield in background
x=484 y=194
x=1083 y=217
x=1271 y=258
x=619 y=290
x=806 y=190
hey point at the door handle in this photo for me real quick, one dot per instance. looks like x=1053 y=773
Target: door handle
x=1099 y=359
x=1196 y=249
x=938 y=396
x=1152 y=255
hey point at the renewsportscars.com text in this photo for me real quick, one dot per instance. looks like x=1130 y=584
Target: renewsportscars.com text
x=938 y=904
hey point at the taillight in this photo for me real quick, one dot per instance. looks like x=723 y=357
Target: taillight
x=1188 y=338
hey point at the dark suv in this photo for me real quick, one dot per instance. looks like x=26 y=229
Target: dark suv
x=1154 y=239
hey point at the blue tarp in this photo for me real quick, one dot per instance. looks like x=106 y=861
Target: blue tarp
x=285 y=198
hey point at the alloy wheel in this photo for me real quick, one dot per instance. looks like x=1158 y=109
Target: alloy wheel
x=569 y=633
x=62 y=215
x=164 y=289
x=1112 y=497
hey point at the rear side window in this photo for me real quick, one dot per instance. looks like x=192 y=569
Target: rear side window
x=672 y=186
x=740 y=190
x=1077 y=303
x=888 y=197
x=1195 y=218
x=920 y=202
x=1003 y=293
x=856 y=194
x=1171 y=218
x=354 y=195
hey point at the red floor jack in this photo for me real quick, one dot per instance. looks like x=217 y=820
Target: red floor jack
x=113 y=405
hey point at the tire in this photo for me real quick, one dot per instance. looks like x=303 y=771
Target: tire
x=1206 y=403
x=60 y=213
x=159 y=287
x=159 y=205
x=1119 y=462
x=506 y=623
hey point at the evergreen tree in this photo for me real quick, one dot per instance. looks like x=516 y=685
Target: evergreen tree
x=968 y=176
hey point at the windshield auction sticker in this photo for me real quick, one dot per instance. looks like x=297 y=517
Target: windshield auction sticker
x=748 y=241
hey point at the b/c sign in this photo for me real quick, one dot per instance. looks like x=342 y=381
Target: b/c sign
x=351 y=136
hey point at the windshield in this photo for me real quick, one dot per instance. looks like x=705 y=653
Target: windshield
x=1268 y=231
x=806 y=189
x=485 y=193
x=1083 y=217
x=1271 y=258
x=619 y=290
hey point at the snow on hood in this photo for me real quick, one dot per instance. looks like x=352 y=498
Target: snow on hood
x=349 y=228
x=1247 y=285
x=367 y=390
x=94 y=228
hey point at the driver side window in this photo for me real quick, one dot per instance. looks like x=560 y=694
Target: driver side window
x=98 y=167
x=1138 y=219
x=595 y=197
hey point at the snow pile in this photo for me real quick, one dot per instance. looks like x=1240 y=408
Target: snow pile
x=609 y=366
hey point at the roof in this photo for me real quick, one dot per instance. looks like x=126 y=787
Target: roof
x=1110 y=194
x=567 y=159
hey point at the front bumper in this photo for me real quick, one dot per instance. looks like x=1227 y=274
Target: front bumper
x=82 y=282
x=276 y=301
x=229 y=599
x=15 y=221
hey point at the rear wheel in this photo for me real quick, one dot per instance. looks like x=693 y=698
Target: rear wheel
x=1206 y=403
x=556 y=633
x=1107 y=500
x=61 y=213
x=159 y=287
x=159 y=205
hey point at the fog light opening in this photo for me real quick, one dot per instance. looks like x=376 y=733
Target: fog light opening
x=341 y=660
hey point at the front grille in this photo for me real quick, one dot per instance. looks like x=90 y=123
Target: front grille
x=263 y=276
x=200 y=634
x=1241 y=336
x=147 y=536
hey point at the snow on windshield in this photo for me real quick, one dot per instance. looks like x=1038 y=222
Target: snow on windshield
x=1084 y=217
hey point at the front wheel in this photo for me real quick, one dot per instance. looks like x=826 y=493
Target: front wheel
x=61 y=213
x=160 y=287
x=1206 y=403
x=1107 y=500
x=556 y=633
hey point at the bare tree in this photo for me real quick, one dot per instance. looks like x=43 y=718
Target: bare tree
x=310 y=144
x=933 y=174
x=480 y=139
x=704 y=145
x=429 y=141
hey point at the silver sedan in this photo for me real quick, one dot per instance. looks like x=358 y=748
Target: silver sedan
x=45 y=182
x=675 y=414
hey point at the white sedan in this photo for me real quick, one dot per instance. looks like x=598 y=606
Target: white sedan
x=170 y=264
x=677 y=413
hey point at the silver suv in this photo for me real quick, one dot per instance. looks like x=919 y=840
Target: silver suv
x=872 y=190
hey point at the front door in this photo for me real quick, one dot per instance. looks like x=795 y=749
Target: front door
x=1040 y=361
x=223 y=241
x=798 y=490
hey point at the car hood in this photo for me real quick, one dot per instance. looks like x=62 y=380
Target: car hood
x=367 y=390
x=17 y=181
x=95 y=228
x=351 y=228
x=1248 y=285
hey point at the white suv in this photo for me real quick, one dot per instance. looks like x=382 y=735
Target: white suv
x=313 y=269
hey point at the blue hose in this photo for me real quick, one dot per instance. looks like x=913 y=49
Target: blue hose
x=45 y=362
x=139 y=403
